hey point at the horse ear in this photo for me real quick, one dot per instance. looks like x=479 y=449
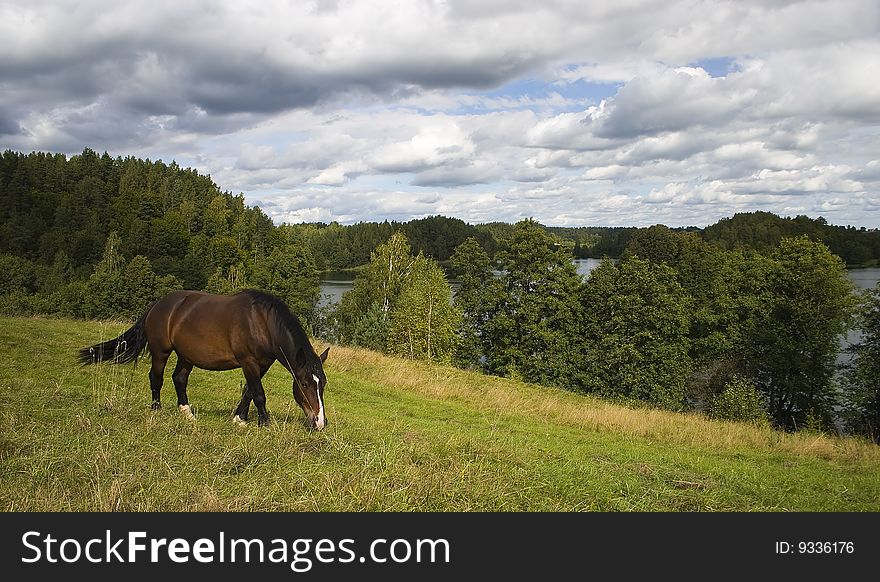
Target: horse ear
x=324 y=355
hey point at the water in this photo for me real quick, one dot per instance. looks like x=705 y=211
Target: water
x=864 y=279
x=584 y=266
x=334 y=284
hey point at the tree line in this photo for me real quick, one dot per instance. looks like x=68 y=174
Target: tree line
x=742 y=319
x=676 y=323
x=73 y=229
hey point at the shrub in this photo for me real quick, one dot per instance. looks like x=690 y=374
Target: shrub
x=741 y=401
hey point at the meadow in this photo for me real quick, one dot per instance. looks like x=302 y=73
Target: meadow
x=402 y=436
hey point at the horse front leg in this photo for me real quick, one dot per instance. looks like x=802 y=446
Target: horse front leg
x=253 y=373
x=241 y=412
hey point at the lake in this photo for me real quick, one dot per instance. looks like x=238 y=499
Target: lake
x=335 y=283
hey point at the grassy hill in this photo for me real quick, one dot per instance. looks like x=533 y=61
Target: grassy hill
x=403 y=436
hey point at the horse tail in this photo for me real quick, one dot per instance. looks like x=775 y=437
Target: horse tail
x=120 y=350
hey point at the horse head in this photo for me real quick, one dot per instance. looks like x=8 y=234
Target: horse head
x=308 y=386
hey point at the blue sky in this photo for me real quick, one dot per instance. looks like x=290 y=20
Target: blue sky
x=628 y=112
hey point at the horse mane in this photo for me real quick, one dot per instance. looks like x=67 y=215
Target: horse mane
x=285 y=320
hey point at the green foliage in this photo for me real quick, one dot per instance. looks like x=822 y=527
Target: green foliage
x=400 y=304
x=712 y=279
x=289 y=272
x=19 y=275
x=337 y=247
x=370 y=330
x=763 y=231
x=228 y=281
x=794 y=340
x=740 y=401
x=437 y=236
x=862 y=377
x=532 y=328
x=635 y=333
x=424 y=321
x=163 y=226
x=478 y=295
x=379 y=284
x=120 y=289
x=105 y=293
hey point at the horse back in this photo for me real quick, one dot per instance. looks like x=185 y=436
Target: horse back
x=213 y=332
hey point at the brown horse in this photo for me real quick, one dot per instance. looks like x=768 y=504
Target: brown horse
x=248 y=330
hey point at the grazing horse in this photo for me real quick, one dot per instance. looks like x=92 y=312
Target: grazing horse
x=248 y=330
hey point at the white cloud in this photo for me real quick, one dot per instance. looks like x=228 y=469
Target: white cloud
x=571 y=112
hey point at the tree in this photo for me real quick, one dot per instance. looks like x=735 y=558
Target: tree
x=794 y=339
x=58 y=275
x=19 y=275
x=228 y=281
x=478 y=296
x=740 y=401
x=532 y=332
x=141 y=287
x=424 y=321
x=862 y=377
x=289 y=272
x=635 y=333
x=379 y=285
x=105 y=294
x=215 y=219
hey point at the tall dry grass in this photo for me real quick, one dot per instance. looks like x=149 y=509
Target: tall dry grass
x=511 y=397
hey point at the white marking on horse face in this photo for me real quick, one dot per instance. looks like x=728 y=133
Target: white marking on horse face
x=320 y=421
x=187 y=411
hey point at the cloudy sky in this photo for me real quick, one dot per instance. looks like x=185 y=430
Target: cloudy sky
x=618 y=112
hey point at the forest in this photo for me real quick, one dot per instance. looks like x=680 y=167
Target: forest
x=740 y=320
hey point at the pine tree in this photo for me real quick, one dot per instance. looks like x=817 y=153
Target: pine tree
x=105 y=291
x=289 y=272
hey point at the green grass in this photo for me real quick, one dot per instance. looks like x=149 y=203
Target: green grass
x=403 y=436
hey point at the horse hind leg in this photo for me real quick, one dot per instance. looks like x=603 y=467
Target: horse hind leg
x=180 y=378
x=157 y=371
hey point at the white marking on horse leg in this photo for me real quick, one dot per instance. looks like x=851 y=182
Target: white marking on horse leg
x=238 y=421
x=187 y=411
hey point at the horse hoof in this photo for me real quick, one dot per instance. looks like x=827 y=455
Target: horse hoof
x=156 y=405
x=237 y=420
x=187 y=411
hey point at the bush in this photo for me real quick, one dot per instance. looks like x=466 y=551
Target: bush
x=740 y=401
x=371 y=330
